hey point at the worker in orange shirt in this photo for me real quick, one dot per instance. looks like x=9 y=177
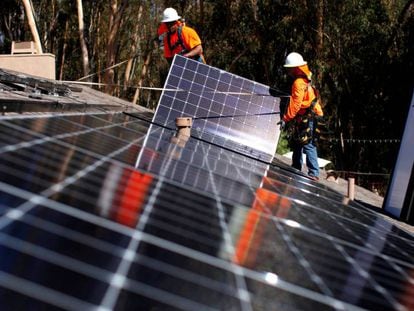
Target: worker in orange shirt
x=179 y=39
x=303 y=111
x=161 y=33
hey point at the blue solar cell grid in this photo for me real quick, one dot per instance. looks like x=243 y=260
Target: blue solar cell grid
x=201 y=91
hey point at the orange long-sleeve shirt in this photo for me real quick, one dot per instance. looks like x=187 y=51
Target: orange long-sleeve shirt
x=162 y=29
x=301 y=97
x=189 y=37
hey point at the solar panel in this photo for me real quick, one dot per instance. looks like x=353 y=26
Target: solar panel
x=227 y=109
x=195 y=164
x=400 y=195
x=107 y=211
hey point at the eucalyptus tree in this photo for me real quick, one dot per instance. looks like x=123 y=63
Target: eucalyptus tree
x=12 y=23
x=116 y=11
x=84 y=48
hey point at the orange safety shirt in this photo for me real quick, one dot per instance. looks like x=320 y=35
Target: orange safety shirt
x=301 y=98
x=189 y=38
x=162 y=29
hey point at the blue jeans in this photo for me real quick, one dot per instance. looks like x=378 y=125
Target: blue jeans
x=311 y=153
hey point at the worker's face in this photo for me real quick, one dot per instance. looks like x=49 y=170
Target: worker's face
x=172 y=26
x=293 y=71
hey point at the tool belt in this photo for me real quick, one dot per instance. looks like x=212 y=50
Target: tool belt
x=308 y=127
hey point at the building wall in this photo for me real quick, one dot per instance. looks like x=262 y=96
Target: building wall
x=40 y=65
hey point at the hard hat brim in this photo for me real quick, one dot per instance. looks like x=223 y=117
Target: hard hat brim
x=167 y=20
x=296 y=65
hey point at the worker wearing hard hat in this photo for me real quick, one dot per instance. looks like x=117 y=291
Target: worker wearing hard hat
x=179 y=38
x=303 y=110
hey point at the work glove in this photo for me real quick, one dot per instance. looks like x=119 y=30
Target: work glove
x=282 y=125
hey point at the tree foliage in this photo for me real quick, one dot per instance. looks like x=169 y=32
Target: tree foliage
x=361 y=53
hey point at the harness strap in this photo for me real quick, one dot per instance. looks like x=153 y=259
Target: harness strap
x=312 y=106
x=303 y=132
x=315 y=100
x=178 y=42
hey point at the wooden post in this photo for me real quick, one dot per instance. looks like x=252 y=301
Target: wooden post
x=351 y=188
x=184 y=126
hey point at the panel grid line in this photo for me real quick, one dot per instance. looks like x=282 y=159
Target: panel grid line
x=219 y=263
x=315 y=277
x=336 y=215
x=47 y=295
x=243 y=293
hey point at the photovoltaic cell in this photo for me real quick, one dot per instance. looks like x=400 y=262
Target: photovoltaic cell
x=227 y=109
x=108 y=211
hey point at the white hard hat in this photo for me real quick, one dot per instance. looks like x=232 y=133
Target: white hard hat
x=294 y=60
x=170 y=15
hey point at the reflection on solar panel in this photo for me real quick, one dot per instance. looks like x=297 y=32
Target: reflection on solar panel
x=106 y=211
x=211 y=96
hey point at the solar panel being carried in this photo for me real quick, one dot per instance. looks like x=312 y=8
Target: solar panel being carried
x=227 y=110
x=108 y=211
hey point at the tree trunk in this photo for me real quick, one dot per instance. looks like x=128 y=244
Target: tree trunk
x=85 y=57
x=32 y=24
x=254 y=7
x=319 y=27
x=201 y=14
x=114 y=25
x=134 y=48
x=144 y=69
x=65 y=44
x=97 y=46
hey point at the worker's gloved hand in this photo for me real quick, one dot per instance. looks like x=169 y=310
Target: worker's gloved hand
x=282 y=125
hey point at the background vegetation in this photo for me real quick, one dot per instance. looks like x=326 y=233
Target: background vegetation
x=361 y=53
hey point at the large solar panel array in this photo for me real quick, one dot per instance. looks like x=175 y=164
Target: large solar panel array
x=227 y=109
x=106 y=211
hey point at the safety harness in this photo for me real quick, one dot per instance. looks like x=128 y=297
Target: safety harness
x=180 y=42
x=309 y=126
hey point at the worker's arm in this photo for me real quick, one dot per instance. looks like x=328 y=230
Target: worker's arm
x=296 y=99
x=192 y=42
x=197 y=50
